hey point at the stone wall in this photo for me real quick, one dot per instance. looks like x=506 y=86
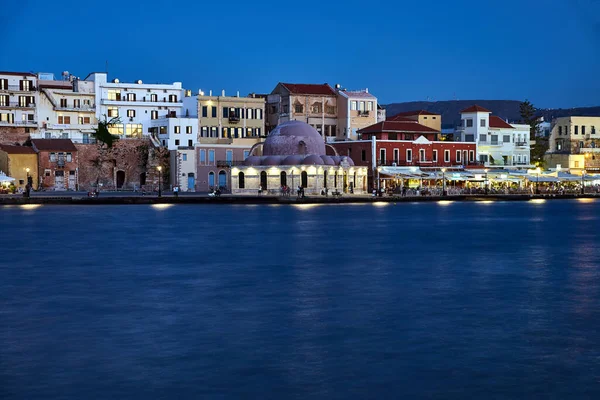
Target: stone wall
x=13 y=135
x=122 y=167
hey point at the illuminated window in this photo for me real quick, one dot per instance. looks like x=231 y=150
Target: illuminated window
x=130 y=96
x=153 y=114
x=176 y=129
x=116 y=129
x=353 y=105
x=188 y=130
x=154 y=98
x=66 y=120
x=131 y=113
x=370 y=106
x=114 y=95
x=113 y=112
x=133 y=130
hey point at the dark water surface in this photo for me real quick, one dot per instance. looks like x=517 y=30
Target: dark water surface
x=452 y=301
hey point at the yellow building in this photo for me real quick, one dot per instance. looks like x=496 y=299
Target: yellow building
x=228 y=117
x=19 y=162
x=433 y=121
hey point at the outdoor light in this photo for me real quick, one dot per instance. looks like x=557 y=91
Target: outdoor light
x=159 y=168
x=537 y=181
x=582 y=182
x=486 y=181
x=444 y=181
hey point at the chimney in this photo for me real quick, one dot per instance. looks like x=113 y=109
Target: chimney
x=238 y=94
x=367 y=90
x=223 y=92
x=210 y=92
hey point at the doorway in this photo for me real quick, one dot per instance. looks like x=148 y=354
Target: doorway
x=120 y=179
x=191 y=184
x=304 y=179
x=222 y=179
x=263 y=180
x=59 y=180
x=72 y=181
x=142 y=179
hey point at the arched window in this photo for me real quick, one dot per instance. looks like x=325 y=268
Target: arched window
x=211 y=180
x=304 y=179
x=241 y=181
x=263 y=180
x=283 y=178
x=222 y=179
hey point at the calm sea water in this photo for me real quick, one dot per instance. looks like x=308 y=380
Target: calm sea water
x=448 y=301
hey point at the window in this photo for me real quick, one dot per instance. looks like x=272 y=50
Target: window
x=226 y=133
x=396 y=155
x=298 y=108
x=469 y=122
x=229 y=156
x=259 y=113
x=188 y=130
x=69 y=157
x=4 y=100
x=560 y=130
x=204 y=131
x=116 y=129
x=576 y=164
x=113 y=112
x=329 y=109
x=52 y=157
x=4 y=84
x=162 y=130
x=250 y=113
x=25 y=85
x=458 y=156
x=184 y=157
x=471 y=155
x=469 y=138
x=211 y=156
x=446 y=155
x=483 y=138
x=190 y=143
x=172 y=98
x=506 y=138
x=84 y=120
x=225 y=112
x=257 y=131
x=153 y=114
x=576 y=132
x=494 y=139
x=361 y=106
x=202 y=156
x=593 y=130
x=241 y=181
x=317 y=108
x=131 y=113
x=214 y=112
x=114 y=95
x=130 y=96
x=421 y=154
x=353 y=105
x=154 y=98
x=369 y=106
x=583 y=130
x=382 y=156
x=408 y=155
x=176 y=142
x=204 y=111
x=177 y=129
x=482 y=122
x=246 y=154
x=66 y=120
x=63 y=102
x=249 y=132
x=434 y=158
x=363 y=155
x=213 y=131
x=133 y=130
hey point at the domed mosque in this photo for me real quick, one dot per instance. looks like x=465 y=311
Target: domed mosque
x=294 y=154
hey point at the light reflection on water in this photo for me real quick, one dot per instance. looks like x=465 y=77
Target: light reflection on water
x=339 y=302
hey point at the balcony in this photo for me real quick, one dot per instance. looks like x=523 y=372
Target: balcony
x=230 y=163
x=364 y=113
x=422 y=163
x=18 y=123
x=79 y=127
x=81 y=108
x=14 y=104
x=521 y=144
x=234 y=118
x=17 y=88
x=142 y=102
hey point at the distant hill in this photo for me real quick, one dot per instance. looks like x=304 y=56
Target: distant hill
x=506 y=109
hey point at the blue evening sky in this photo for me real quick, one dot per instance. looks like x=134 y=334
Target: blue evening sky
x=547 y=51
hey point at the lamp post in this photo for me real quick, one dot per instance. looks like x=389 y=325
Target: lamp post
x=537 y=180
x=159 y=168
x=444 y=181
x=486 y=181
x=378 y=180
x=582 y=182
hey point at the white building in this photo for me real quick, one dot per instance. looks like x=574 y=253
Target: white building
x=137 y=104
x=66 y=109
x=498 y=142
x=183 y=168
x=18 y=98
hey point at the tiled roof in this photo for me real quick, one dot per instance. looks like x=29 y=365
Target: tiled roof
x=400 y=118
x=302 y=88
x=358 y=94
x=475 y=108
x=53 y=145
x=10 y=149
x=411 y=113
x=397 y=126
x=497 y=122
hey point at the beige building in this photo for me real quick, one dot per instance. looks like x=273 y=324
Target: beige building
x=429 y=119
x=575 y=135
x=315 y=104
x=223 y=117
x=356 y=110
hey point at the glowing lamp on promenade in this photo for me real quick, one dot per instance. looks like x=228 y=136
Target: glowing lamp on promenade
x=444 y=181
x=159 y=168
x=486 y=181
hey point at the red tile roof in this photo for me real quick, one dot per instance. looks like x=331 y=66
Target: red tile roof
x=412 y=113
x=302 y=88
x=10 y=149
x=53 y=145
x=475 y=108
x=397 y=126
x=497 y=122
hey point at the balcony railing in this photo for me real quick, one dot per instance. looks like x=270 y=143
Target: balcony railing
x=142 y=100
x=17 y=123
x=15 y=104
x=229 y=164
x=86 y=107
x=234 y=118
x=521 y=144
x=17 y=88
x=425 y=163
x=364 y=113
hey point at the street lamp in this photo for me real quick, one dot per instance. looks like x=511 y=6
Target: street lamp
x=537 y=181
x=159 y=168
x=486 y=181
x=444 y=181
x=378 y=180
x=582 y=182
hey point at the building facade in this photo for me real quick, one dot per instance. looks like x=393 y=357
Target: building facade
x=314 y=104
x=426 y=118
x=18 y=112
x=183 y=168
x=21 y=163
x=575 y=144
x=499 y=144
x=57 y=164
x=356 y=110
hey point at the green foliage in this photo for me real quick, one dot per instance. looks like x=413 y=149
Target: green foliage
x=528 y=114
x=102 y=133
x=538 y=150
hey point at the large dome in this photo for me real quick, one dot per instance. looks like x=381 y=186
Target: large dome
x=294 y=138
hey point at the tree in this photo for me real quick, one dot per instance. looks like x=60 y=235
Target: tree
x=528 y=114
x=105 y=141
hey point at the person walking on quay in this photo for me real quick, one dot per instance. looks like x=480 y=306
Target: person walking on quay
x=176 y=191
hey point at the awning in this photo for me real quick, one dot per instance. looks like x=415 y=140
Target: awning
x=404 y=172
x=542 y=178
x=4 y=178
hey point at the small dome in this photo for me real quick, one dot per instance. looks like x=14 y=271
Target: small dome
x=348 y=160
x=292 y=160
x=294 y=138
x=327 y=160
x=252 y=161
x=271 y=160
x=336 y=159
x=313 y=159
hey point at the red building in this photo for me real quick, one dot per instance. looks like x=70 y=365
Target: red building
x=57 y=163
x=402 y=142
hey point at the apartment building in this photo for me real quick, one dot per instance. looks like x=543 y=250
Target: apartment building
x=18 y=98
x=427 y=118
x=575 y=144
x=357 y=109
x=231 y=117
